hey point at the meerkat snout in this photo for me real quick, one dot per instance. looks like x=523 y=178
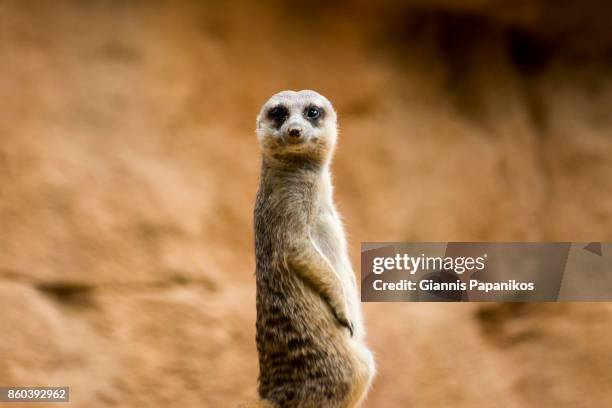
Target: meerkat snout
x=295 y=132
x=295 y=136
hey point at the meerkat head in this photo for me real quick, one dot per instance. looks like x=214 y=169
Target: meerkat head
x=297 y=127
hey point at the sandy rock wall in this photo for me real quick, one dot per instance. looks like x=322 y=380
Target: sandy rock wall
x=128 y=169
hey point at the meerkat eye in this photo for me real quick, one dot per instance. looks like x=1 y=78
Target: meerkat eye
x=313 y=112
x=278 y=114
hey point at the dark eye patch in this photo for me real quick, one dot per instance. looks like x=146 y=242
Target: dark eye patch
x=278 y=115
x=314 y=114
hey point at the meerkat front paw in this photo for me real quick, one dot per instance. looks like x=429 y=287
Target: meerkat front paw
x=343 y=319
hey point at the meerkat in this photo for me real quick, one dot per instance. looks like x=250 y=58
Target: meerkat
x=310 y=333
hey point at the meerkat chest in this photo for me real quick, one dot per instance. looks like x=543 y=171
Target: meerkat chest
x=328 y=236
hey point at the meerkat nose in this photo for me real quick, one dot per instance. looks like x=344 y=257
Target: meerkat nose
x=295 y=132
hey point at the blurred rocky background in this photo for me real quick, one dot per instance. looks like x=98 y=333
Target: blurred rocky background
x=129 y=165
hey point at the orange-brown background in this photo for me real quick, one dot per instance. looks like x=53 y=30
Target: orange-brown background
x=128 y=169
